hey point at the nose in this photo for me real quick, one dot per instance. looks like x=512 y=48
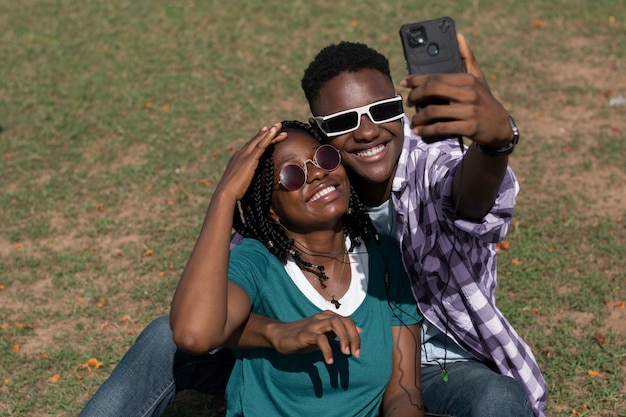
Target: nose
x=367 y=130
x=314 y=172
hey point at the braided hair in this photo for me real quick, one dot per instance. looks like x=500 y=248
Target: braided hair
x=253 y=219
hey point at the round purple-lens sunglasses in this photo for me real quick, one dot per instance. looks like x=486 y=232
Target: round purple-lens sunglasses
x=292 y=176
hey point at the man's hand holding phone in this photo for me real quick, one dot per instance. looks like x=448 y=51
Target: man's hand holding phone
x=467 y=107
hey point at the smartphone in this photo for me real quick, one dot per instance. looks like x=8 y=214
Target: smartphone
x=431 y=47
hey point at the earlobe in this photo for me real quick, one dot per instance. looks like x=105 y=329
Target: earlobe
x=274 y=216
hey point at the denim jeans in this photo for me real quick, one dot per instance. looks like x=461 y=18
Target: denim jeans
x=472 y=390
x=147 y=378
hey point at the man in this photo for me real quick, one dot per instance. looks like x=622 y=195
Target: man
x=447 y=206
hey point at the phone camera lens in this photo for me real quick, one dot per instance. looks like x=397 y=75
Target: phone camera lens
x=417 y=37
x=432 y=49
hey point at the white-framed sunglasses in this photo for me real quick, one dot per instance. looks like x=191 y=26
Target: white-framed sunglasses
x=346 y=121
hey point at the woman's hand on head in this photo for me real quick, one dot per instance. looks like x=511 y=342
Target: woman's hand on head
x=238 y=173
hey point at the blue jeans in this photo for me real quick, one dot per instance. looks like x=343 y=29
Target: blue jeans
x=147 y=378
x=153 y=370
x=472 y=390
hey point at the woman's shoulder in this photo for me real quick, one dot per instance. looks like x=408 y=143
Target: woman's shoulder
x=250 y=248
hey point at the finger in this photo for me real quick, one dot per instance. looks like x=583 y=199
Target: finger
x=324 y=346
x=469 y=61
x=348 y=335
x=447 y=129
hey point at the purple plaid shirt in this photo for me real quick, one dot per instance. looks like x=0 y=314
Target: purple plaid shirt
x=455 y=261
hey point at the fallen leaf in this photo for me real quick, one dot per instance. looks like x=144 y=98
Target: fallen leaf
x=16 y=348
x=515 y=262
x=55 y=378
x=102 y=303
x=2 y=288
x=593 y=374
x=504 y=245
x=94 y=363
x=619 y=304
x=600 y=338
x=537 y=23
x=149 y=252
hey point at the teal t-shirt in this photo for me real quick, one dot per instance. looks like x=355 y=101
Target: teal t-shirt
x=267 y=383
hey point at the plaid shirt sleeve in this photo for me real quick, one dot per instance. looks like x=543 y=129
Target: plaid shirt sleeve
x=454 y=261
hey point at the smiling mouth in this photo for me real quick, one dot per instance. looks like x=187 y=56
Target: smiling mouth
x=371 y=152
x=322 y=193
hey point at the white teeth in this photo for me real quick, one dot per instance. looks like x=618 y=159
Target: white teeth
x=322 y=193
x=371 y=152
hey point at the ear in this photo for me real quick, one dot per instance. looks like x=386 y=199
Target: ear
x=274 y=215
x=317 y=129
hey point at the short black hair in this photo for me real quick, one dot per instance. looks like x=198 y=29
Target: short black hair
x=338 y=58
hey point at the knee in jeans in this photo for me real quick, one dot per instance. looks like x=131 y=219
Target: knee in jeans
x=503 y=393
x=158 y=330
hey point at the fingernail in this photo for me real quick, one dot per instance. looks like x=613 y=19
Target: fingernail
x=357 y=353
x=330 y=361
x=346 y=351
x=403 y=83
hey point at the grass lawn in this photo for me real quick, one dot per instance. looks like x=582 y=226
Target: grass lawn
x=117 y=118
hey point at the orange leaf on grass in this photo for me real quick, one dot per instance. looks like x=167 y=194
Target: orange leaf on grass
x=537 y=23
x=515 y=262
x=55 y=378
x=504 y=245
x=94 y=363
x=2 y=287
x=102 y=303
x=619 y=304
x=16 y=348
x=593 y=374
x=149 y=252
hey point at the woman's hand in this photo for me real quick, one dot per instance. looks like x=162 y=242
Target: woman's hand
x=242 y=165
x=315 y=333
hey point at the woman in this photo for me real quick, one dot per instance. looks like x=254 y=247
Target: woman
x=310 y=253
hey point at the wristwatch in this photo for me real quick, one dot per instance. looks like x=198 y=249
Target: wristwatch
x=505 y=150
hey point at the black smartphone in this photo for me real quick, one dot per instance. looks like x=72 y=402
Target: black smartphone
x=431 y=47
